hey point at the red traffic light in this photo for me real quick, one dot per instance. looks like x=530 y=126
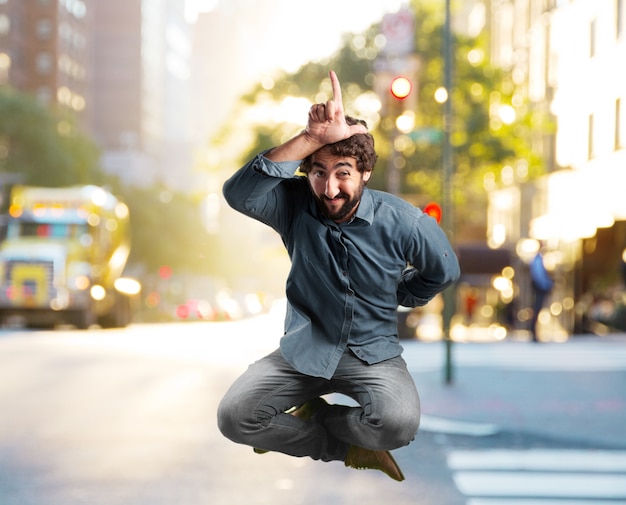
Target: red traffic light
x=165 y=272
x=401 y=87
x=433 y=210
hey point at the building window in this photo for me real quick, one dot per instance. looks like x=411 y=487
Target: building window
x=5 y=24
x=43 y=63
x=44 y=95
x=44 y=29
x=590 y=138
x=5 y=66
x=618 y=124
x=592 y=38
x=77 y=8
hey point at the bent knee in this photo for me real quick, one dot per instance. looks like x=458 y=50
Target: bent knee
x=233 y=420
x=237 y=421
x=403 y=430
x=394 y=431
x=227 y=421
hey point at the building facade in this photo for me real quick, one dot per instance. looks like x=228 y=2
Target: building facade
x=141 y=78
x=567 y=57
x=122 y=66
x=45 y=50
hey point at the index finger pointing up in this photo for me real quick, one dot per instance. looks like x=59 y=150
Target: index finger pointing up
x=334 y=81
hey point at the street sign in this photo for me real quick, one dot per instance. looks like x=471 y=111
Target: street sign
x=399 y=31
x=426 y=135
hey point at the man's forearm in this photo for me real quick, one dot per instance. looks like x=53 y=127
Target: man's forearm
x=295 y=149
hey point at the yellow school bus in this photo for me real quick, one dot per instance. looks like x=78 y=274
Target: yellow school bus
x=63 y=258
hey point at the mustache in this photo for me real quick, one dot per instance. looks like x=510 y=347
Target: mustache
x=340 y=196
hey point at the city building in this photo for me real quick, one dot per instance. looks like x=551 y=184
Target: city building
x=122 y=66
x=45 y=50
x=141 y=80
x=566 y=57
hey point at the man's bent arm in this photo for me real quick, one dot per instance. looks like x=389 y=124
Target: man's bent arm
x=295 y=149
x=434 y=268
x=249 y=189
x=326 y=125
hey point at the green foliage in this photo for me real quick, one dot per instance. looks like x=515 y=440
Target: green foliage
x=167 y=229
x=483 y=145
x=41 y=146
x=45 y=148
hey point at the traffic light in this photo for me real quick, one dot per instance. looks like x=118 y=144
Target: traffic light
x=165 y=272
x=401 y=87
x=433 y=210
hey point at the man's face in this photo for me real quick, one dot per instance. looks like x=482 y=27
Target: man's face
x=337 y=185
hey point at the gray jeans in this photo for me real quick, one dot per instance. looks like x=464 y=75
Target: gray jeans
x=253 y=410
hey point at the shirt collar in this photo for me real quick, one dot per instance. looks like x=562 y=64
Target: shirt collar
x=365 y=210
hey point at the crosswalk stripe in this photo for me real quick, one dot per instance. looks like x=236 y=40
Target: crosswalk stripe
x=523 y=501
x=539 y=460
x=539 y=476
x=543 y=485
x=452 y=427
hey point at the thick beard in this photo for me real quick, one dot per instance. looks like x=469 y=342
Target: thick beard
x=345 y=209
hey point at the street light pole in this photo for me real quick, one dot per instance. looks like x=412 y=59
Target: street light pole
x=449 y=295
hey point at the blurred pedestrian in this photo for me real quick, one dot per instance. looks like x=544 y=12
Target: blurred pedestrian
x=542 y=285
x=349 y=248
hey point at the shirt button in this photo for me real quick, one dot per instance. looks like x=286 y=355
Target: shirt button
x=344 y=273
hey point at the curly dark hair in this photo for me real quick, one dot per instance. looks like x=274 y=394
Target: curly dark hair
x=359 y=146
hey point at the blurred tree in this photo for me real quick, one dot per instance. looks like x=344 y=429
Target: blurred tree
x=167 y=229
x=45 y=147
x=493 y=124
x=41 y=146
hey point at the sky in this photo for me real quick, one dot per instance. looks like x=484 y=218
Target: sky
x=297 y=31
x=272 y=35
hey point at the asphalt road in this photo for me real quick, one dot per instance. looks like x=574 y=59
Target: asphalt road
x=128 y=418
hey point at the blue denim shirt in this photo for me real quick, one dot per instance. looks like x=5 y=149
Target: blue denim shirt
x=346 y=280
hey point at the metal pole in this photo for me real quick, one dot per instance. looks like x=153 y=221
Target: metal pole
x=449 y=295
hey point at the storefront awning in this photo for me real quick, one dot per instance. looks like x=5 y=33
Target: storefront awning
x=479 y=262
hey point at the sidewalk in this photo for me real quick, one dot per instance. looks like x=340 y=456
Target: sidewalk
x=575 y=390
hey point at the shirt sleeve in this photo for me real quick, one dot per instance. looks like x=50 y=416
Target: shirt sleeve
x=254 y=190
x=434 y=265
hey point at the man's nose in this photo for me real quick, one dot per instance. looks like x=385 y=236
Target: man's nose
x=332 y=187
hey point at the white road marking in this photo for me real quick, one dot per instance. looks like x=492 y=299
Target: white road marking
x=451 y=427
x=539 y=476
x=543 y=485
x=539 y=460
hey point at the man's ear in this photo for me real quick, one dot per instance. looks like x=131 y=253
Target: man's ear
x=367 y=175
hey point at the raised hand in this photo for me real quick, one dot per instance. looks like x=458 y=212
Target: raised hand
x=327 y=122
x=326 y=125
